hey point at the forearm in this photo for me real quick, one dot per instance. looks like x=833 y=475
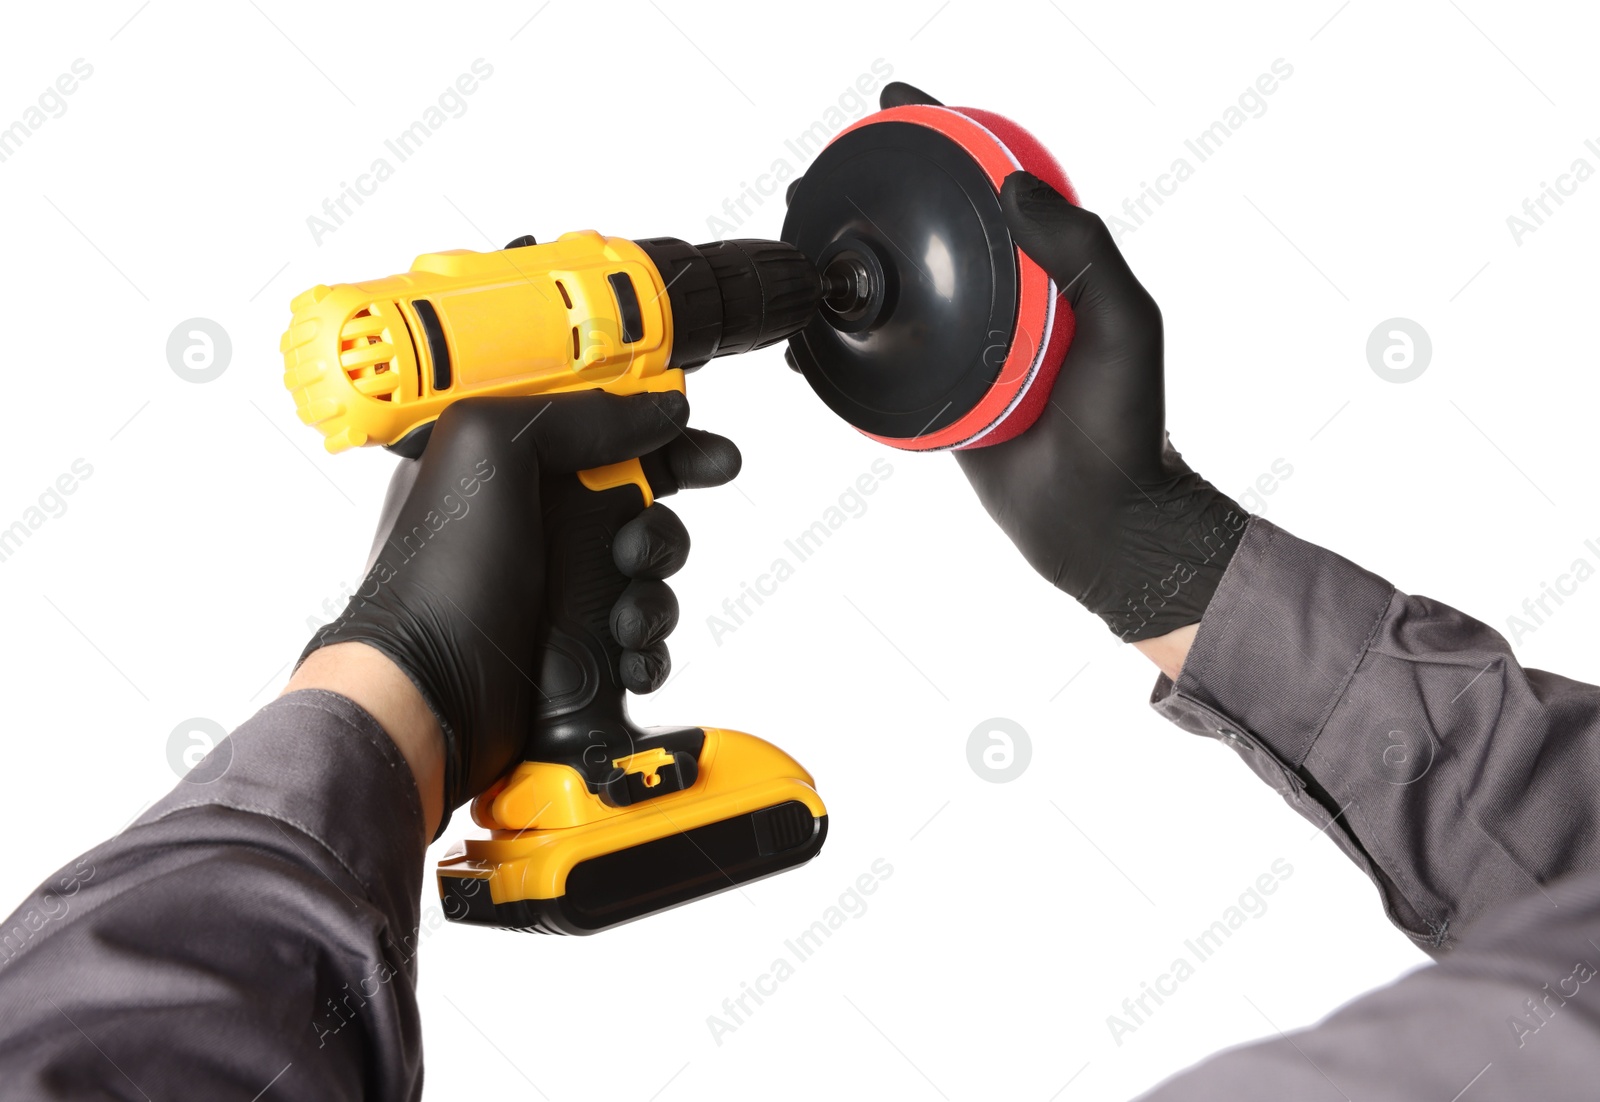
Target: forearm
x=1454 y=777
x=260 y=925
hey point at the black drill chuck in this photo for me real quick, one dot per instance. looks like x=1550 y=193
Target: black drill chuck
x=733 y=296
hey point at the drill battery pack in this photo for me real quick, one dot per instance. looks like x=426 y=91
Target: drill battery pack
x=690 y=812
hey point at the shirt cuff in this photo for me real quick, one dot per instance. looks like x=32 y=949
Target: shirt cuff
x=1278 y=644
x=319 y=763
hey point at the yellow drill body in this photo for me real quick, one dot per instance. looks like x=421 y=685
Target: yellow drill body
x=365 y=365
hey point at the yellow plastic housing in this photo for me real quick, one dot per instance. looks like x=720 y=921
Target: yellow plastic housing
x=531 y=320
x=545 y=822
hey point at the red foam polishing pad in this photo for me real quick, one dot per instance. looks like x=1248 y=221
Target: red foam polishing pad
x=1018 y=368
x=1030 y=154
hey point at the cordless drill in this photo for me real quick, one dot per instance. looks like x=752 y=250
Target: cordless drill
x=602 y=822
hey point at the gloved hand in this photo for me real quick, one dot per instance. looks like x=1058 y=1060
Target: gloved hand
x=456 y=581
x=1093 y=494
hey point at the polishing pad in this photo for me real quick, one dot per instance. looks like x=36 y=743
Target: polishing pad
x=935 y=331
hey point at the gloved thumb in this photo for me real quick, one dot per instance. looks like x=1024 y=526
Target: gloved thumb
x=1076 y=248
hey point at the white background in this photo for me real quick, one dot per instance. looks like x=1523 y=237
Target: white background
x=179 y=581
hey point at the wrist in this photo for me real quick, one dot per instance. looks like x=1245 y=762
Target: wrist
x=1169 y=651
x=371 y=680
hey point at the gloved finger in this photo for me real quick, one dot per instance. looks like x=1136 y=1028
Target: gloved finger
x=644 y=615
x=1078 y=251
x=654 y=544
x=567 y=432
x=897 y=93
x=695 y=460
x=645 y=671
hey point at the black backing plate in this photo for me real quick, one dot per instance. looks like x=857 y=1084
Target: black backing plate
x=931 y=214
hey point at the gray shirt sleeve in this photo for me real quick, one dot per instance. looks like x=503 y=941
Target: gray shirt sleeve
x=256 y=928
x=1465 y=786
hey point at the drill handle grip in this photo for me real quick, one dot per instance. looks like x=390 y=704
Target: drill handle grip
x=582 y=717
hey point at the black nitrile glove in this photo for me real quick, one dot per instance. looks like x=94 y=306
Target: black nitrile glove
x=456 y=582
x=1093 y=493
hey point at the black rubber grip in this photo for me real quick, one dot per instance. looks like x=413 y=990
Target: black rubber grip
x=582 y=718
x=581 y=715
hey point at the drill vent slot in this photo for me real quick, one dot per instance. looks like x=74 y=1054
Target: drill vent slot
x=566 y=298
x=367 y=356
x=577 y=345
